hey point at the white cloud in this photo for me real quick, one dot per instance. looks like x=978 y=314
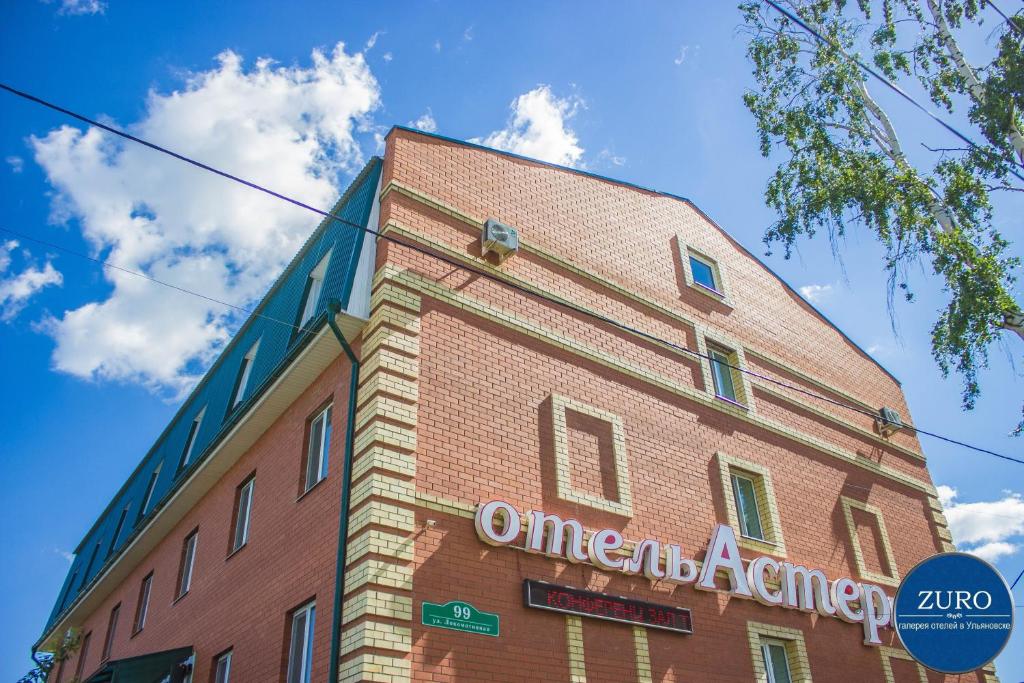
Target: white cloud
x=425 y=122
x=387 y=57
x=17 y=164
x=17 y=289
x=372 y=40
x=816 y=294
x=69 y=557
x=467 y=35
x=437 y=46
x=289 y=128
x=538 y=128
x=607 y=156
x=683 y=49
x=79 y=7
x=985 y=528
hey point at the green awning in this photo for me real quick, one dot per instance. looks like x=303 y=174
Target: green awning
x=169 y=666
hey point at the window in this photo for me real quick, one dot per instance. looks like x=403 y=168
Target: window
x=721 y=373
x=148 y=498
x=92 y=559
x=776 y=661
x=703 y=273
x=243 y=511
x=190 y=441
x=745 y=491
x=311 y=294
x=117 y=530
x=244 y=370
x=872 y=550
x=83 y=654
x=319 y=441
x=300 y=650
x=143 y=607
x=108 y=644
x=222 y=668
x=750 y=506
x=188 y=559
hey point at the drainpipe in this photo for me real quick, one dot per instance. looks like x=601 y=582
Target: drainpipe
x=333 y=308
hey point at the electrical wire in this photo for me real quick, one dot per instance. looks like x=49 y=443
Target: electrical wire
x=892 y=86
x=479 y=272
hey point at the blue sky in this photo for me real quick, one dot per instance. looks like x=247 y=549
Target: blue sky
x=650 y=96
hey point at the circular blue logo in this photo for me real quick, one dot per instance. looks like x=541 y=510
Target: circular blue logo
x=953 y=613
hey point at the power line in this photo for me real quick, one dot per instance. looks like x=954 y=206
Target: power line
x=526 y=291
x=892 y=86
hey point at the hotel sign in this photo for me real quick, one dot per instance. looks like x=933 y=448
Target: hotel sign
x=543 y=595
x=764 y=579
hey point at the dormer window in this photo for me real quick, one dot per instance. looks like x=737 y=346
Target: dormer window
x=244 y=371
x=190 y=441
x=312 y=291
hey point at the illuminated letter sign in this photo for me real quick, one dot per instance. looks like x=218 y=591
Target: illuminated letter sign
x=548 y=596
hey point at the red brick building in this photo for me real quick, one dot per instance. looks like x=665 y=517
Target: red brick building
x=472 y=389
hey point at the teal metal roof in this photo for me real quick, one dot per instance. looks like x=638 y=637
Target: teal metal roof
x=277 y=344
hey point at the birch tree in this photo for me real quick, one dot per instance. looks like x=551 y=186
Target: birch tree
x=845 y=163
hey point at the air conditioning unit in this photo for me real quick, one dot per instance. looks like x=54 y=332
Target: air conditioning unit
x=888 y=421
x=499 y=238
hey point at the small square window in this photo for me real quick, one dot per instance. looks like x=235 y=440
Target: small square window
x=745 y=492
x=704 y=273
x=317 y=448
x=776 y=661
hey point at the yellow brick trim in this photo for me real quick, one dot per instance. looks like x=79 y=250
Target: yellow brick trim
x=386 y=293
x=445 y=505
x=889 y=653
x=385 y=434
x=377 y=635
x=771 y=522
x=381 y=514
x=574 y=648
x=377 y=603
x=643 y=655
x=373 y=572
x=527 y=245
x=381 y=406
x=769 y=389
x=383 y=383
x=383 y=359
x=514 y=322
x=737 y=358
x=386 y=460
x=796 y=650
x=382 y=543
x=624 y=505
x=686 y=249
x=393 y=339
x=858 y=554
x=373 y=667
x=382 y=486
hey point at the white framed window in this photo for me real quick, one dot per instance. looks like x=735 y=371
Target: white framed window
x=244 y=371
x=222 y=668
x=108 y=643
x=745 y=492
x=190 y=440
x=117 y=530
x=142 y=609
x=704 y=273
x=313 y=289
x=300 y=649
x=243 y=511
x=188 y=560
x=721 y=374
x=150 y=488
x=319 y=442
x=776 y=661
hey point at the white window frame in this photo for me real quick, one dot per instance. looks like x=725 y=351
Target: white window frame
x=766 y=644
x=723 y=359
x=142 y=610
x=193 y=433
x=188 y=562
x=243 y=381
x=308 y=612
x=150 y=489
x=741 y=507
x=322 y=461
x=225 y=659
x=241 y=536
x=316 y=286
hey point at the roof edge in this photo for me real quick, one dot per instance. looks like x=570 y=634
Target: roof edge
x=643 y=188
